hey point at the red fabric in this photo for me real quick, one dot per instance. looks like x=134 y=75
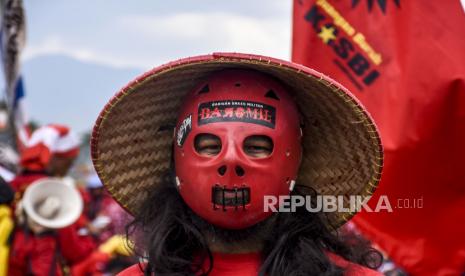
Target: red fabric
x=249 y=264
x=132 y=270
x=38 y=155
x=21 y=182
x=62 y=130
x=75 y=248
x=83 y=220
x=410 y=75
x=39 y=251
x=91 y=265
x=118 y=217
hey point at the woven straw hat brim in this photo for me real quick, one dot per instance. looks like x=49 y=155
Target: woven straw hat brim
x=131 y=141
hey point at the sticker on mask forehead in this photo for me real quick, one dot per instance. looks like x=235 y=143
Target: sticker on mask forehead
x=183 y=130
x=237 y=111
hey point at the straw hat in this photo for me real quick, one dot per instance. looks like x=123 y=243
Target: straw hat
x=132 y=138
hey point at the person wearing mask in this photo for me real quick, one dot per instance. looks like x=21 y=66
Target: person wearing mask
x=200 y=148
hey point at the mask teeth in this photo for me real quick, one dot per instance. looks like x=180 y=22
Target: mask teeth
x=243 y=198
x=220 y=200
x=213 y=196
x=223 y=192
x=235 y=194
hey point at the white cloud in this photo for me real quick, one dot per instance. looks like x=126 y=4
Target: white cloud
x=144 y=41
x=54 y=45
x=218 y=31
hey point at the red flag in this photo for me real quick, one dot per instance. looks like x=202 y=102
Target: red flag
x=405 y=60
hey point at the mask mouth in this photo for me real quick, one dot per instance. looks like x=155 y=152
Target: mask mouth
x=235 y=197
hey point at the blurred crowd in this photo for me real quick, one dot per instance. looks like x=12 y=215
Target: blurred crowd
x=38 y=235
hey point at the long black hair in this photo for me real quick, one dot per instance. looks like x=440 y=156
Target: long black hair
x=172 y=240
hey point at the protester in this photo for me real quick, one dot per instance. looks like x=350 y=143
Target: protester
x=50 y=151
x=36 y=249
x=106 y=220
x=192 y=149
x=106 y=217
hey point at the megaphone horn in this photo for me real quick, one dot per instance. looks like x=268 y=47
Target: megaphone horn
x=52 y=203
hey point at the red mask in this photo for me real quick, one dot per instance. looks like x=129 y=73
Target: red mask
x=227 y=185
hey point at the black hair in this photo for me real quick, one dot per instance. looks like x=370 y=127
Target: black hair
x=171 y=238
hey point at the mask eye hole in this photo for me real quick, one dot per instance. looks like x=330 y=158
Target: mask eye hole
x=207 y=144
x=258 y=146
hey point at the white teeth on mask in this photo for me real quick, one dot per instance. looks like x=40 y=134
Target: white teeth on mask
x=178 y=183
x=291 y=185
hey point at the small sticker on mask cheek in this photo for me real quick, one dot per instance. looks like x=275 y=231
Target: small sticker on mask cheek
x=183 y=130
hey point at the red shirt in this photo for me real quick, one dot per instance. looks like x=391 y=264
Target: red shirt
x=36 y=253
x=23 y=180
x=249 y=264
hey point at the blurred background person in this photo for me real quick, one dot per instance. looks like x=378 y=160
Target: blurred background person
x=50 y=151
x=106 y=216
x=37 y=249
x=106 y=225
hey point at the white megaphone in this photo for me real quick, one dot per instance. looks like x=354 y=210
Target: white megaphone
x=52 y=203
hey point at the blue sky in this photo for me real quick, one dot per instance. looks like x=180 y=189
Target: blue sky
x=129 y=38
x=121 y=33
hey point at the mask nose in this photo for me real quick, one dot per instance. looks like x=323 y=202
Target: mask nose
x=222 y=170
x=232 y=162
x=239 y=171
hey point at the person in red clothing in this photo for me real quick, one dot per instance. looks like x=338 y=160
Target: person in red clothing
x=106 y=226
x=50 y=151
x=198 y=149
x=36 y=249
x=106 y=216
